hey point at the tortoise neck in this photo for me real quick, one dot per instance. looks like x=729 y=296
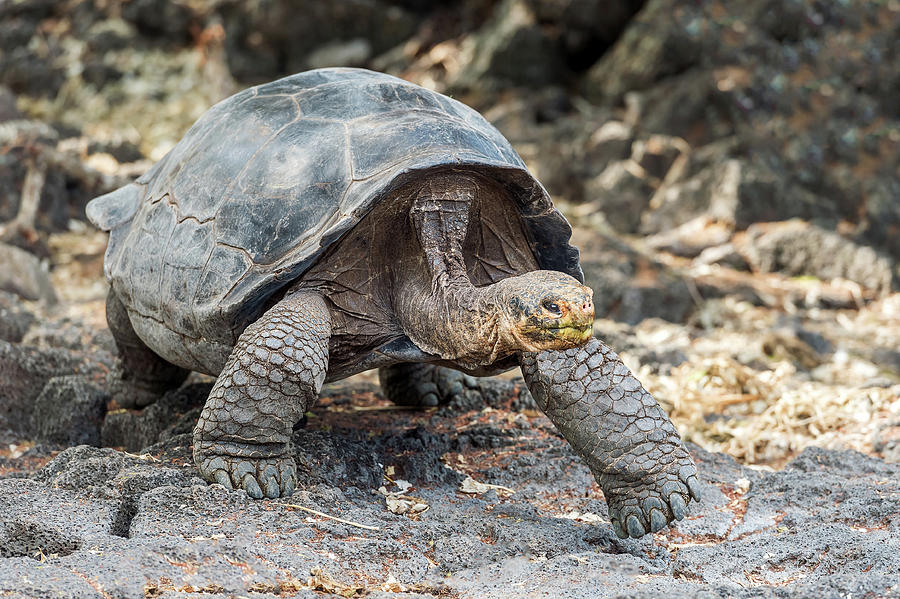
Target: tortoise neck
x=459 y=322
x=441 y=311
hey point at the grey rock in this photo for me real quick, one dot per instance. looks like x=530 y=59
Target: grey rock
x=610 y=268
x=110 y=34
x=882 y=212
x=621 y=194
x=796 y=248
x=26 y=72
x=657 y=154
x=807 y=149
x=692 y=238
x=652 y=47
x=585 y=29
x=107 y=473
x=39 y=520
x=266 y=39
x=111 y=475
x=565 y=153
x=71 y=334
x=335 y=461
x=688 y=106
x=130 y=526
x=25 y=370
x=8 y=109
x=69 y=411
x=162 y=18
x=23 y=274
x=886 y=441
x=351 y=53
x=510 y=47
x=174 y=413
x=724 y=255
x=27 y=578
x=138 y=567
x=15 y=319
x=733 y=191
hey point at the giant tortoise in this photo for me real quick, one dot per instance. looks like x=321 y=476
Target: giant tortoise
x=342 y=220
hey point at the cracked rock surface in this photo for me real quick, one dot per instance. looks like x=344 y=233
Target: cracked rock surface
x=100 y=522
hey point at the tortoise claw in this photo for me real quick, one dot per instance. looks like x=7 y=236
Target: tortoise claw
x=693 y=486
x=249 y=484
x=221 y=477
x=657 y=520
x=635 y=528
x=676 y=502
x=649 y=504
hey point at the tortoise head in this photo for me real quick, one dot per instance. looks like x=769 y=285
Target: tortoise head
x=547 y=310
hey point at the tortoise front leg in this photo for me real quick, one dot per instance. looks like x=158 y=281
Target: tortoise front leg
x=274 y=374
x=629 y=443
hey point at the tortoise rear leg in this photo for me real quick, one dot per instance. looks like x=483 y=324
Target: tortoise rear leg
x=424 y=385
x=274 y=374
x=139 y=376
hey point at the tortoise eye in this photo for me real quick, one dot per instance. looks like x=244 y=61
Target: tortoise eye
x=552 y=307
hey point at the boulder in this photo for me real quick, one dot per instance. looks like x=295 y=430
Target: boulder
x=267 y=39
x=511 y=47
x=37 y=521
x=654 y=45
x=796 y=248
x=8 y=109
x=630 y=286
x=622 y=193
x=69 y=411
x=25 y=406
x=174 y=413
x=24 y=275
x=15 y=319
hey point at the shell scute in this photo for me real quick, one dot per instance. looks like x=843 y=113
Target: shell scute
x=180 y=274
x=286 y=194
x=205 y=165
x=347 y=100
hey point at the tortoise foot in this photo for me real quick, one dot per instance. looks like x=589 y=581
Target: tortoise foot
x=271 y=477
x=425 y=385
x=647 y=505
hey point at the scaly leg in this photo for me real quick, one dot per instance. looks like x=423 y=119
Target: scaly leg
x=628 y=442
x=273 y=376
x=424 y=385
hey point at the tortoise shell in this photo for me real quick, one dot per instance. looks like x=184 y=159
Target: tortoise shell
x=266 y=180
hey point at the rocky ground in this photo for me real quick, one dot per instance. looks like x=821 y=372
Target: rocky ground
x=731 y=169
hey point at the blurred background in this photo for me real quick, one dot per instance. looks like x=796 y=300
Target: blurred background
x=731 y=169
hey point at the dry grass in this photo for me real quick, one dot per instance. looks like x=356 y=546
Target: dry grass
x=765 y=411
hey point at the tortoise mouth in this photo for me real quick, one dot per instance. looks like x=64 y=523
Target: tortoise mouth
x=559 y=335
x=580 y=332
